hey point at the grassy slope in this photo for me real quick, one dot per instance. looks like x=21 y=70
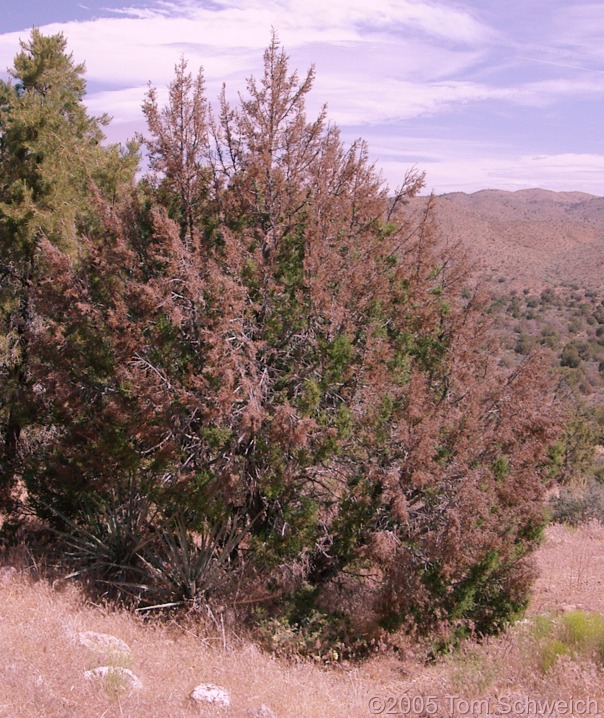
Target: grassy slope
x=41 y=666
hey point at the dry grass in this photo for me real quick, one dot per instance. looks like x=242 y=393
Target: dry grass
x=41 y=665
x=571 y=568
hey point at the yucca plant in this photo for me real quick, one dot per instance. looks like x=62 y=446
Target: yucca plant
x=108 y=538
x=184 y=567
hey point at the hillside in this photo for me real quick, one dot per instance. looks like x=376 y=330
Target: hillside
x=529 y=238
x=540 y=255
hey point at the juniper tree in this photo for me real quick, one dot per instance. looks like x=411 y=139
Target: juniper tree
x=339 y=389
x=178 y=149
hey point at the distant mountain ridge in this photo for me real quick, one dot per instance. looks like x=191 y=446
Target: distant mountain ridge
x=527 y=238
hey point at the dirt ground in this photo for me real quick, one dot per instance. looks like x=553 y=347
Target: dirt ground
x=521 y=673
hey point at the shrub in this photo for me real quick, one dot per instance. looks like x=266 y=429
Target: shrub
x=524 y=344
x=570 y=357
x=573 y=633
x=106 y=539
x=131 y=552
x=550 y=652
x=578 y=505
x=185 y=568
x=584 y=631
x=548 y=296
x=575 y=326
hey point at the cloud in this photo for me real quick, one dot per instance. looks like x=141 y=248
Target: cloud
x=384 y=68
x=383 y=61
x=343 y=19
x=475 y=167
x=125 y=104
x=580 y=26
x=582 y=172
x=568 y=36
x=352 y=42
x=142 y=42
x=547 y=92
x=357 y=103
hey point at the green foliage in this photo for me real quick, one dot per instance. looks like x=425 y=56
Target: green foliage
x=584 y=632
x=501 y=468
x=571 y=458
x=550 y=652
x=51 y=157
x=303 y=631
x=51 y=149
x=574 y=633
x=477 y=605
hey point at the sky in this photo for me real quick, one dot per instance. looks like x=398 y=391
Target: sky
x=480 y=94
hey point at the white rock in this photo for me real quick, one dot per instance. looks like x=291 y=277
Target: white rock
x=262 y=711
x=7 y=574
x=102 y=642
x=122 y=674
x=209 y=693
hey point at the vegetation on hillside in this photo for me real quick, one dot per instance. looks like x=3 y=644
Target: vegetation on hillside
x=566 y=322
x=253 y=370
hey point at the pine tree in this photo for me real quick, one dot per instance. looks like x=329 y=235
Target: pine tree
x=50 y=153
